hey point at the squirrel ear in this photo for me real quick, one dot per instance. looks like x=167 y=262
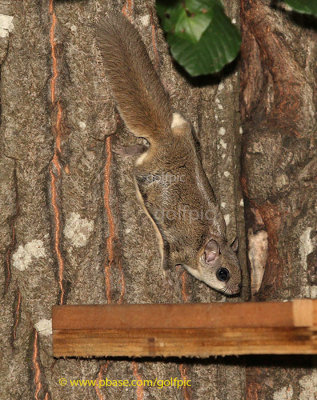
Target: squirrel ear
x=211 y=251
x=235 y=245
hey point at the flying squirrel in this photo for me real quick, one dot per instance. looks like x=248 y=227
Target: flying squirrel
x=171 y=184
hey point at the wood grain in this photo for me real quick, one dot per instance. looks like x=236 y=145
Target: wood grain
x=200 y=330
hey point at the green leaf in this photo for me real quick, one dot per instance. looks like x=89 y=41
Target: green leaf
x=201 y=5
x=186 y=22
x=192 y=26
x=169 y=12
x=202 y=45
x=303 y=6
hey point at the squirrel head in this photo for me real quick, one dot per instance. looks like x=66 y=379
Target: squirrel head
x=217 y=265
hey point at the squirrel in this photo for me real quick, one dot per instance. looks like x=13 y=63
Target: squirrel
x=171 y=184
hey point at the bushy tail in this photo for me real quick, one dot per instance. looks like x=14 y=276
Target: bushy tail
x=142 y=101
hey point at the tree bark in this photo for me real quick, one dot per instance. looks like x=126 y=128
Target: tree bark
x=278 y=109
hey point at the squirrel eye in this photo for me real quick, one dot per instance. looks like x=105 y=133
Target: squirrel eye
x=222 y=274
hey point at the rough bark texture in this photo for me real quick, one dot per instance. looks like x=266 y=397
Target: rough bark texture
x=278 y=109
x=72 y=231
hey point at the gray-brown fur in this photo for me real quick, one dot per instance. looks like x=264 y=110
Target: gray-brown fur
x=132 y=76
x=171 y=183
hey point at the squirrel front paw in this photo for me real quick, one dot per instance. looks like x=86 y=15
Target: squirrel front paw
x=128 y=151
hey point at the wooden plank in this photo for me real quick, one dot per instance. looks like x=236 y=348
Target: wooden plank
x=176 y=330
x=181 y=315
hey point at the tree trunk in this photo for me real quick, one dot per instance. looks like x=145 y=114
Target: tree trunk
x=72 y=231
x=278 y=99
